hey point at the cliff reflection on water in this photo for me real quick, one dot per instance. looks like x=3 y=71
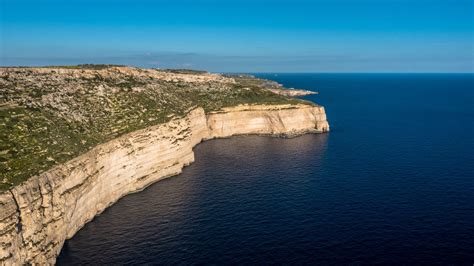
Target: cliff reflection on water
x=219 y=203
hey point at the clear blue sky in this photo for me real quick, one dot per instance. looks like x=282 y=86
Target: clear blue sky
x=243 y=35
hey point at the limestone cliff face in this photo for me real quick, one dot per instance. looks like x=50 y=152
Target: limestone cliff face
x=37 y=216
x=283 y=120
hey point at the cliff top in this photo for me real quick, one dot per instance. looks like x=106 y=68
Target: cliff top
x=49 y=115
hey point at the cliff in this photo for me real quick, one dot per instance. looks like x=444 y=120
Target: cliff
x=38 y=215
x=51 y=115
x=74 y=139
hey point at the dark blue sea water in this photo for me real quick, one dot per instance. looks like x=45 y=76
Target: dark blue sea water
x=392 y=183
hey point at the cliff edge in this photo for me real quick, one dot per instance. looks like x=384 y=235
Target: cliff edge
x=40 y=213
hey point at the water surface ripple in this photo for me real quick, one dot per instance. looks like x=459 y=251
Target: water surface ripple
x=392 y=183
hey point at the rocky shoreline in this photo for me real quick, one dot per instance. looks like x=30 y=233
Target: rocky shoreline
x=293 y=92
x=37 y=216
x=75 y=139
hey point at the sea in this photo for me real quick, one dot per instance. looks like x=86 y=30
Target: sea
x=391 y=183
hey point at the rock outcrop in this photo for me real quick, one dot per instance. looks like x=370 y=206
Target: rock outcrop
x=37 y=216
x=292 y=92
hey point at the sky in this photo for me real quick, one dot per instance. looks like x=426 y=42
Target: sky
x=242 y=35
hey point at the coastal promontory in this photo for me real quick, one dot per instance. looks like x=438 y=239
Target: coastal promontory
x=76 y=139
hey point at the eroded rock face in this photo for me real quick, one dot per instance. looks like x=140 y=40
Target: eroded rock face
x=37 y=216
x=279 y=120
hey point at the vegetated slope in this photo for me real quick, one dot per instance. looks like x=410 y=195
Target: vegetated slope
x=53 y=114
